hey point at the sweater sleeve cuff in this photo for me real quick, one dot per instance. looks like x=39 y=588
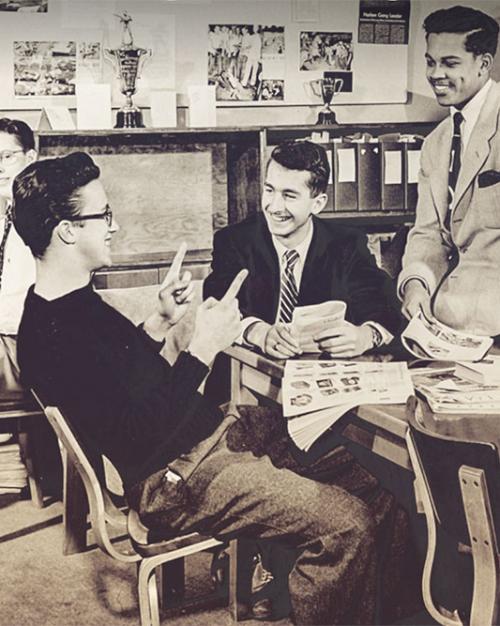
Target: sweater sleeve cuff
x=156 y=345
x=192 y=368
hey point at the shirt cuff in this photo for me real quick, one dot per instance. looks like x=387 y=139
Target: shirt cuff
x=387 y=337
x=245 y=325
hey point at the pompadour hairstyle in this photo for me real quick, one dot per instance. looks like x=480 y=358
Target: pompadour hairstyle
x=481 y=29
x=47 y=192
x=21 y=131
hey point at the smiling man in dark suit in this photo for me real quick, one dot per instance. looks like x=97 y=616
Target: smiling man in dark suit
x=295 y=258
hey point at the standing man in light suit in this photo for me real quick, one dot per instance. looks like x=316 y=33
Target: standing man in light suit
x=451 y=261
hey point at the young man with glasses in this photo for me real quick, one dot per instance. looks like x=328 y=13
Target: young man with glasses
x=184 y=462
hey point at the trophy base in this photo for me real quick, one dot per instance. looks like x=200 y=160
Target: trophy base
x=129 y=119
x=326 y=118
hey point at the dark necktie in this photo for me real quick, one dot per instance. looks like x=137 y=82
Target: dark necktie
x=289 y=292
x=456 y=146
x=3 y=243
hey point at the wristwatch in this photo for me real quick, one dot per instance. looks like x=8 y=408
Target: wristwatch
x=377 y=339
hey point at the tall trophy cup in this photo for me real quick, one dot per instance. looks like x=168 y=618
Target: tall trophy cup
x=326 y=88
x=128 y=61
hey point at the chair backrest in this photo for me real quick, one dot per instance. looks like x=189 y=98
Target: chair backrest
x=104 y=515
x=459 y=486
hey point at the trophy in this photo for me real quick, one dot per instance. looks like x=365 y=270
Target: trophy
x=326 y=88
x=128 y=61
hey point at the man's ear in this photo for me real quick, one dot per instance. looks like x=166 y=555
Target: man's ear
x=319 y=203
x=486 y=62
x=31 y=155
x=65 y=232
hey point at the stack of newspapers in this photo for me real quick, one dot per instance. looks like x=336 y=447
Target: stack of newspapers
x=447 y=391
x=317 y=393
x=13 y=475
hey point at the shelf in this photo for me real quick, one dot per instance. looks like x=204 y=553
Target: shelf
x=371 y=218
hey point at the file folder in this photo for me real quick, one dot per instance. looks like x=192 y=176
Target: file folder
x=345 y=177
x=392 y=183
x=368 y=157
x=412 y=152
x=329 y=190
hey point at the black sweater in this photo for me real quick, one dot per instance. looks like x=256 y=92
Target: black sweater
x=122 y=398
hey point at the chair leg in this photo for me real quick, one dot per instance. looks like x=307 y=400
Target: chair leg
x=148 y=595
x=25 y=444
x=236 y=611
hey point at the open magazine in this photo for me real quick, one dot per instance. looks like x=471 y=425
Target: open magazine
x=314 y=320
x=429 y=338
x=315 y=393
x=446 y=392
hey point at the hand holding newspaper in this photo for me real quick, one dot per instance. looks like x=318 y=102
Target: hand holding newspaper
x=429 y=338
x=317 y=393
x=312 y=321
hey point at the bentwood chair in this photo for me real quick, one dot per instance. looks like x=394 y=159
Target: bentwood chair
x=458 y=484
x=107 y=520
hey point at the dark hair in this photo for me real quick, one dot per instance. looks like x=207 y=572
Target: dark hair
x=305 y=156
x=481 y=29
x=21 y=131
x=47 y=192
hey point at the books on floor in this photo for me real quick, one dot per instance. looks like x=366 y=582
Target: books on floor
x=317 y=393
x=309 y=323
x=446 y=392
x=429 y=338
x=13 y=474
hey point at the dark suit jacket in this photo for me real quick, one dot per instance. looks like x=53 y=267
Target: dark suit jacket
x=338 y=267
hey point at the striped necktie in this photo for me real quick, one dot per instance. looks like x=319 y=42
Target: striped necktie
x=455 y=163
x=3 y=242
x=289 y=293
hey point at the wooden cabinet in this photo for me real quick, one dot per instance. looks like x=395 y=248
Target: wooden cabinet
x=166 y=186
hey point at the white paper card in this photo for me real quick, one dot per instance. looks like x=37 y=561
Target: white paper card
x=347 y=165
x=393 y=168
x=93 y=107
x=163 y=108
x=59 y=118
x=202 y=105
x=413 y=165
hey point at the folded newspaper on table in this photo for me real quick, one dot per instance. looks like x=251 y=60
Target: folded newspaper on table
x=314 y=320
x=445 y=392
x=317 y=393
x=430 y=339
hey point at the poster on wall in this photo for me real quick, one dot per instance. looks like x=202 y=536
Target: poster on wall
x=384 y=21
x=326 y=51
x=24 y=6
x=246 y=62
x=52 y=68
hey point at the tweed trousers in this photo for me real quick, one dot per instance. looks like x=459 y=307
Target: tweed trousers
x=226 y=490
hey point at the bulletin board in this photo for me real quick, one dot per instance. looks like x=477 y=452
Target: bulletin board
x=178 y=34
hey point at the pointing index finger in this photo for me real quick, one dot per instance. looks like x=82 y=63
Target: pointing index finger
x=234 y=287
x=175 y=268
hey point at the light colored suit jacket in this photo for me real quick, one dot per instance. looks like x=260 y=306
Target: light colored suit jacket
x=461 y=268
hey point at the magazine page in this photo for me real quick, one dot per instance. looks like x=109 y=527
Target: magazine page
x=312 y=385
x=313 y=320
x=430 y=339
x=305 y=429
x=447 y=393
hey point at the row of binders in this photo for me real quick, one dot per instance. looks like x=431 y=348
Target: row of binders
x=373 y=175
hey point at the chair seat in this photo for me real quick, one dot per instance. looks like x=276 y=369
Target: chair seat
x=146 y=543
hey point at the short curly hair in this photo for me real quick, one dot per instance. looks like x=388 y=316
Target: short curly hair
x=305 y=156
x=20 y=130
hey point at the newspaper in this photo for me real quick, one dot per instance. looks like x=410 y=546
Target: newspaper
x=431 y=339
x=445 y=392
x=317 y=393
x=310 y=322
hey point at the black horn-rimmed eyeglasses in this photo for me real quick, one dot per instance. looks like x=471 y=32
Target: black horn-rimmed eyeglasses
x=107 y=216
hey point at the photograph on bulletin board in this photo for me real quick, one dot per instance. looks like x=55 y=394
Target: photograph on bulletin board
x=246 y=62
x=24 y=6
x=325 y=51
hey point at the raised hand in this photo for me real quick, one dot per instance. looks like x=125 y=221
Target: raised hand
x=176 y=291
x=218 y=323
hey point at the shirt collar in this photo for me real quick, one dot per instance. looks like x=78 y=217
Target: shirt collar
x=472 y=109
x=302 y=249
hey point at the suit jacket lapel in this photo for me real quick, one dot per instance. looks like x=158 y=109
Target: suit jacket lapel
x=478 y=147
x=268 y=270
x=315 y=254
x=441 y=166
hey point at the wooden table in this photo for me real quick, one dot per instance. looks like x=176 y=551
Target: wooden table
x=253 y=375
